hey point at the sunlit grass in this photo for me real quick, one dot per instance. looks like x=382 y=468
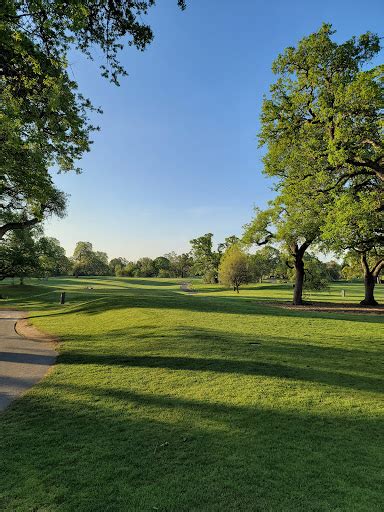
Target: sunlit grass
x=164 y=400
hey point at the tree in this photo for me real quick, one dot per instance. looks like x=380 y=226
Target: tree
x=205 y=260
x=233 y=269
x=326 y=107
x=43 y=123
x=322 y=124
x=228 y=242
x=293 y=224
x=146 y=268
x=86 y=262
x=183 y=265
x=85 y=25
x=44 y=120
x=53 y=260
x=130 y=269
x=264 y=262
x=19 y=255
x=180 y=264
x=356 y=223
x=352 y=267
x=334 y=270
x=116 y=266
x=82 y=251
x=162 y=266
x=26 y=253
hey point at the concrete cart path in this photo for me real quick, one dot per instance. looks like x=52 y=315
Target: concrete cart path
x=23 y=362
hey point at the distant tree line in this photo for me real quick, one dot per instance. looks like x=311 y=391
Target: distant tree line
x=28 y=253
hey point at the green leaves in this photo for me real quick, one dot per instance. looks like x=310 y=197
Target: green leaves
x=44 y=120
x=233 y=269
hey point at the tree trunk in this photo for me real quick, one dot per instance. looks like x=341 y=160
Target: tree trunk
x=297 y=252
x=369 y=281
x=299 y=281
x=369 y=284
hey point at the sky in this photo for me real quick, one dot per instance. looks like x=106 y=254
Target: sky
x=177 y=153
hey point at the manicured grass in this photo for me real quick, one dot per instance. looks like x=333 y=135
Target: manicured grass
x=163 y=400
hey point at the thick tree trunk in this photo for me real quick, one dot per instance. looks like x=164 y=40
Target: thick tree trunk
x=369 y=284
x=370 y=279
x=299 y=281
x=297 y=252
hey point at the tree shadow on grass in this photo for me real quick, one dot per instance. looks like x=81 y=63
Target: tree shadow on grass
x=174 y=300
x=210 y=350
x=237 y=367
x=97 y=449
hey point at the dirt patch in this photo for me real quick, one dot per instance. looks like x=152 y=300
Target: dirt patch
x=24 y=328
x=331 y=307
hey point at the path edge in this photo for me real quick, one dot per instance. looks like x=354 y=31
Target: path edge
x=25 y=328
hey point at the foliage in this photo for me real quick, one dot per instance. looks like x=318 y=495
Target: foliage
x=26 y=253
x=43 y=122
x=87 y=262
x=145 y=268
x=228 y=242
x=19 y=255
x=88 y=26
x=233 y=269
x=180 y=264
x=53 y=260
x=325 y=109
x=265 y=262
x=129 y=269
x=352 y=267
x=205 y=259
x=161 y=263
x=356 y=222
x=116 y=266
x=334 y=270
x=322 y=128
x=316 y=276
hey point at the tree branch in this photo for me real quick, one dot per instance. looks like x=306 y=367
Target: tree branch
x=10 y=226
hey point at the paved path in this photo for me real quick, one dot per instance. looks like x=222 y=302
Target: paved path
x=23 y=362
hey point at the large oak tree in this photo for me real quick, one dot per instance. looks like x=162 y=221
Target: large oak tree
x=322 y=126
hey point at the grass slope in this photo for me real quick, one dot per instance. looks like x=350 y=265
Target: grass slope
x=168 y=401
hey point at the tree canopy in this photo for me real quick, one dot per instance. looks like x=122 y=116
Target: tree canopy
x=325 y=108
x=43 y=118
x=233 y=269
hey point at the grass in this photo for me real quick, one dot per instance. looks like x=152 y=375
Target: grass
x=169 y=401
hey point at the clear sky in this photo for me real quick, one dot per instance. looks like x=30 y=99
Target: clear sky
x=177 y=153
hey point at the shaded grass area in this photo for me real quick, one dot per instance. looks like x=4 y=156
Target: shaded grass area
x=166 y=401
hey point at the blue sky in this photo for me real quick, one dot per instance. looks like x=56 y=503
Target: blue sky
x=177 y=153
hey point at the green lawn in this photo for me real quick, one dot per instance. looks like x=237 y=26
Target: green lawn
x=169 y=401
